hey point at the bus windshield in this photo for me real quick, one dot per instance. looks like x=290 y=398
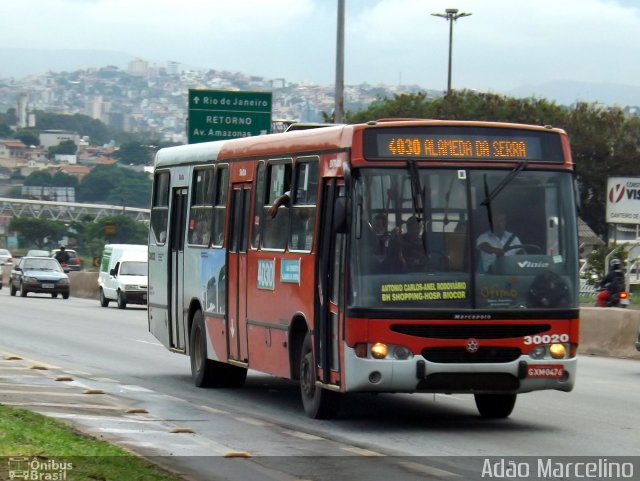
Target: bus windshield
x=475 y=239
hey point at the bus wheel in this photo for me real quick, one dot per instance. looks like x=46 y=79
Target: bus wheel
x=201 y=367
x=318 y=403
x=495 y=405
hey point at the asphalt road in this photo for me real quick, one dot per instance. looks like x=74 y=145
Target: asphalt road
x=375 y=437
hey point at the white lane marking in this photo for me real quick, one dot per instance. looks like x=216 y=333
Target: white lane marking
x=213 y=410
x=132 y=387
x=253 y=422
x=45 y=393
x=147 y=342
x=104 y=419
x=65 y=405
x=428 y=470
x=360 y=451
x=305 y=436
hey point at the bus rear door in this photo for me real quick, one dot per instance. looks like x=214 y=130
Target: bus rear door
x=176 y=268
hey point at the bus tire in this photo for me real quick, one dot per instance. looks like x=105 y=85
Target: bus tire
x=318 y=403
x=495 y=406
x=202 y=369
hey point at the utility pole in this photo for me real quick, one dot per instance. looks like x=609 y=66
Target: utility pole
x=450 y=15
x=338 y=111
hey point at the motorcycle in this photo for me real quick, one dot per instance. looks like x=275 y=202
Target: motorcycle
x=606 y=298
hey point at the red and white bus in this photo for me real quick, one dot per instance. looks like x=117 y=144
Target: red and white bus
x=370 y=277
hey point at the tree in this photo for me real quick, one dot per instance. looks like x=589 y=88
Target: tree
x=66 y=147
x=28 y=136
x=62 y=179
x=97 y=131
x=134 y=153
x=132 y=192
x=95 y=235
x=39 y=178
x=38 y=232
x=113 y=184
x=5 y=131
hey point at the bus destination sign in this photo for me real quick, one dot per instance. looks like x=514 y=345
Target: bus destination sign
x=505 y=144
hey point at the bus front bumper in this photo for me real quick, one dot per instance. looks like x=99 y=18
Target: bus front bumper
x=419 y=375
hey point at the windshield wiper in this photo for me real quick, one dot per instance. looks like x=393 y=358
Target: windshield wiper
x=416 y=189
x=489 y=196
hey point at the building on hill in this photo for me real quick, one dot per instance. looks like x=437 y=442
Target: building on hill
x=51 y=138
x=12 y=149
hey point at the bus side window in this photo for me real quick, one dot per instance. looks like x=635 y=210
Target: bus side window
x=304 y=209
x=275 y=230
x=220 y=205
x=258 y=204
x=201 y=213
x=160 y=206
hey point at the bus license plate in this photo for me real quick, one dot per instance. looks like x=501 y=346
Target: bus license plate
x=47 y=286
x=545 y=370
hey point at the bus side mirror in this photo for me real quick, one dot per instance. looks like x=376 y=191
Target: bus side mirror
x=340 y=224
x=113 y=272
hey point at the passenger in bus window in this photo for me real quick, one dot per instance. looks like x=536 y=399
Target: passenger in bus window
x=282 y=200
x=385 y=247
x=302 y=229
x=413 y=252
x=496 y=243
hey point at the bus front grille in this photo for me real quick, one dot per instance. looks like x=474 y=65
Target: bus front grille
x=481 y=331
x=468 y=382
x=458 y=355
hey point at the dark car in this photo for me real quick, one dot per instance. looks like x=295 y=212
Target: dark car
x=39 y=274
x=638 y=341
x=73 y=264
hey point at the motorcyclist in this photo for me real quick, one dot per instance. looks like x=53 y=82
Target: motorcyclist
x=62 y=256
x=612 y=284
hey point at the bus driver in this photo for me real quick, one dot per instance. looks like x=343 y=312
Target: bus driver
x=496 y=243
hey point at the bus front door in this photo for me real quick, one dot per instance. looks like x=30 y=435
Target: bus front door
x=176 y=268
x=331 y=255
x=237 y=272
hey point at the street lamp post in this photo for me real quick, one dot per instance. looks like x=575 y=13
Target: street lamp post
x=450 y=15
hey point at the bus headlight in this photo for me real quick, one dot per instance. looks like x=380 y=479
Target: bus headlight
x=379 y=350
x=558 y=351
x=401 y=353
x=538 y=352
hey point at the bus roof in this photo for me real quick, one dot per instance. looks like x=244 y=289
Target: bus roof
x=331 y=138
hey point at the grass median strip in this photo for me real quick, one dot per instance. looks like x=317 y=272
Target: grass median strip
x=35 y=443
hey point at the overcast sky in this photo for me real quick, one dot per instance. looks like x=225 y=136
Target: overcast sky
x=503 y=45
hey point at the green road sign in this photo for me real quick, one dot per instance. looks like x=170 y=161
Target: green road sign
x=222 y=114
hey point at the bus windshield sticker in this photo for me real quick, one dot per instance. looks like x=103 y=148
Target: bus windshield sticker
x=423 y=291
x=290 y=271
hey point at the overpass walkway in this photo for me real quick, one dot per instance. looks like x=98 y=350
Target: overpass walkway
x=67 y=211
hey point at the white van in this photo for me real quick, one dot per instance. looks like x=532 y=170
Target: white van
x=123 y=274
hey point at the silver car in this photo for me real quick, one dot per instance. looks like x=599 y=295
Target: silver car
x=6 y=259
